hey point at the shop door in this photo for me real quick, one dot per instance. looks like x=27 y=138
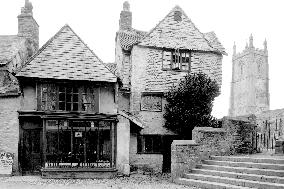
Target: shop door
x=31 y=162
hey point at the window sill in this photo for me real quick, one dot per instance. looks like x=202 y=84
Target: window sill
x=175 y=70
x=149 y=153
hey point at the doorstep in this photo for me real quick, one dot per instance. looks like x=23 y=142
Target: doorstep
x=78 y=173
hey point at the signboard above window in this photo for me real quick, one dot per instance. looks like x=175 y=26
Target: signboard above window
x=151 y=101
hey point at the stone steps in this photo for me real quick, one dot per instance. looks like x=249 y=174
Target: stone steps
x=242 y=172
x=249 y=159
x=253 y=177
x=207 y=184
x=245 y=164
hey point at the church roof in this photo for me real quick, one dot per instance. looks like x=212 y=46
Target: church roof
x=66 y=56
x=9 y=47
x=180 y=33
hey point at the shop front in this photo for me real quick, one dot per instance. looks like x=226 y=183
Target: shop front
x=69 y=146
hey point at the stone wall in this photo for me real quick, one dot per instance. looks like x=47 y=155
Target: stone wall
x=147 y=76
x=9 y=127
x=207 y=141
x=211 y=141
x=144 y=162
x=184 y=157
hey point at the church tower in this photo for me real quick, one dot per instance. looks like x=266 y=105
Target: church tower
x=250 y=80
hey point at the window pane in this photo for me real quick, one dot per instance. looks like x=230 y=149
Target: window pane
x=68 y=98
x=148 y=144
x=75 y=90
x=75 y=107
x=68 y=106
x=157 y=144
x=62 y=89
x=167 y=60
x=61 y=96
x=69 y=90
x=61 y=105
x=75 y=98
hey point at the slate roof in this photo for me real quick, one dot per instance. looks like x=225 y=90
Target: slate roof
x=9 y=47
x=66 y=56
x=214 y=42
x=111 y=67
x=183 y=34
x=129 y=38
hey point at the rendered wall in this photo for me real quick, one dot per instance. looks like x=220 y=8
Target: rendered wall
x=146 y=162
x=123 y=142
x=9 y=126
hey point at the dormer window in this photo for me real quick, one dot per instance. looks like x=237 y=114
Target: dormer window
x=177 y=16
x=176 y=60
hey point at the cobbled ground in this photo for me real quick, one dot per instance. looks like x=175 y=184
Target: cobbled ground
x=132 y=182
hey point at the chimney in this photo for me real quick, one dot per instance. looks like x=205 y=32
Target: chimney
x=28 y=27
x=125 y=21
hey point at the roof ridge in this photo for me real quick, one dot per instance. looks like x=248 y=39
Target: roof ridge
x=90 y=49
x=43 y=47
x=177 y=7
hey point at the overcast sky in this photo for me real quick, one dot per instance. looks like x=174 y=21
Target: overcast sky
x=97 y=21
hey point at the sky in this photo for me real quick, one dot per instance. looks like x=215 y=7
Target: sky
x=96 y=22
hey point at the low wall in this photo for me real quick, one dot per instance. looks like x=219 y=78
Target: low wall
x=185 y=156
x=232 y=138
x=211 y=141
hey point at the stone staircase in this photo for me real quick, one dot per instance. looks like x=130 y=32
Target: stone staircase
x=237 y=172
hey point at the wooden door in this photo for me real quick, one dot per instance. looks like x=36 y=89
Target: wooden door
x=31 y=148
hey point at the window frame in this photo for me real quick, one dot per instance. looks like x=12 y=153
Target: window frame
x=67 y=97
x=141 y=144
x=179 y=54
x=157 y=94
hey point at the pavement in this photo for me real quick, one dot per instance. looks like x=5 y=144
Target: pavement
x=135 y=181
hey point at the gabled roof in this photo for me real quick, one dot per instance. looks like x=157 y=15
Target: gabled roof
x=129 y=38
x=214 y=42
x=173 y=34
x=9 y=47
x=66 y=56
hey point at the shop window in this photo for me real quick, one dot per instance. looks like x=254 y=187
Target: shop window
x=151 y=101
x=152 y=144
x=77 y=144
x=176 y=60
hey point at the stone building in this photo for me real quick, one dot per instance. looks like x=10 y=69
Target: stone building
x=250 y=93
x=250 y=81
x=14 y=51
x=65 y=113
x=148 y=63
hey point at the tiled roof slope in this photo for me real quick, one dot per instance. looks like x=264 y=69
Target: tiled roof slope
x=66 y=56
x=173 y=34
x=129 y=38
x=111 y=67
x=9 y=47
x=214 y=42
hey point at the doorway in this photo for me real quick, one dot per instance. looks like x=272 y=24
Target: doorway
x=31 y=148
